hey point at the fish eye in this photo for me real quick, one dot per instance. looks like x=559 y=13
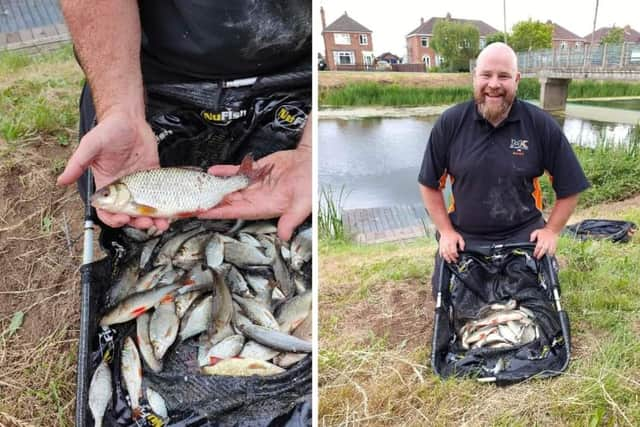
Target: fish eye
x=104 y=192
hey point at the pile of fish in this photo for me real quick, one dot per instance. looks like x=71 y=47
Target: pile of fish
x=500 y=325
x=242 y=296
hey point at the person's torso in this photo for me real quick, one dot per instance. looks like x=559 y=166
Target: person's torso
x=494 y=173
x=186 y=40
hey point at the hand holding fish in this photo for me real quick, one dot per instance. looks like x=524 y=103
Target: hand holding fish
x=117 y=146
x=286 y=193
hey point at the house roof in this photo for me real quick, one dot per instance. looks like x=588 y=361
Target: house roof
x=426 y=27
x=346 y=24
x=387 y=54
x=561 y=33
x=630 y=35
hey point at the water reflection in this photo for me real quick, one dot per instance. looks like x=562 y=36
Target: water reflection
x=376 y=160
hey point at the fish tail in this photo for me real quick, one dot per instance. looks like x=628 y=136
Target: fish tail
x=254 y=174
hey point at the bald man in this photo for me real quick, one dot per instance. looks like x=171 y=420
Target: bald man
x=493 y=149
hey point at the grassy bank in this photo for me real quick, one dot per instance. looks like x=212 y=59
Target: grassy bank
x=612 y=170
x=40 y=239
x=375 y=320
x=396 y=95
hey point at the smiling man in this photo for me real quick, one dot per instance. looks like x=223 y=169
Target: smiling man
x=494 y=149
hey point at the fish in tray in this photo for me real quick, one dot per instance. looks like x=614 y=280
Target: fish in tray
x=239 y=301
x=173 y=192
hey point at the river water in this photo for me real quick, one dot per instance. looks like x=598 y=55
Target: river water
x=375 y=161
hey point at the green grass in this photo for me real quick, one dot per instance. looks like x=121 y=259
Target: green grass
x=600 y=291
x=330 y=224
x=612 y=170
x=44 y=102
x=395 y=95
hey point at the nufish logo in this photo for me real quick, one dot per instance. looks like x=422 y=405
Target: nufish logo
x=290 y=117
x=519 y=146
x=223 y=117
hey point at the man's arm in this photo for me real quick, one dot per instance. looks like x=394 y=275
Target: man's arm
x=547 y=237
x=286 y=193
x=106 y=37
x=450 y=239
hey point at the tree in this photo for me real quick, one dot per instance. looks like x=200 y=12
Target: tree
x=614 y=36
x=496 y=37
x=531 y=35
x=456 y=42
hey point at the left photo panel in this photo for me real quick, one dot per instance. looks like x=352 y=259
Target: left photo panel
x=156 y=219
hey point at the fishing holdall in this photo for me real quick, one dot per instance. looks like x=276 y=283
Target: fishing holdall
x=602 y=229
x=491 y=277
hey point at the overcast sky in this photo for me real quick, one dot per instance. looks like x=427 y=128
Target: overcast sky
x=391 y=21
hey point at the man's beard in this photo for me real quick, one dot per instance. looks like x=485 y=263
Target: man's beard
x=491 y=112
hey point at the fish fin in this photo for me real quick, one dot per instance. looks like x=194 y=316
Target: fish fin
x=146 y=210
x=254 y=174
x=187 y=214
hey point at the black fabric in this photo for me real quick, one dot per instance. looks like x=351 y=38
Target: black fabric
x=187 y=40
x=494 y=169
x=192 y=399
x=606 y=229
x=497 y=275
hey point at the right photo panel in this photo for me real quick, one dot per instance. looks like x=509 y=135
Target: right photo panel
x=478 y=194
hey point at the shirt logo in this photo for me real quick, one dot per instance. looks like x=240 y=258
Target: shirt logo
x=519 y=146
x=290 y=117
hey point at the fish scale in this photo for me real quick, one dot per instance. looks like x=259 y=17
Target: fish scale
x=181 y=190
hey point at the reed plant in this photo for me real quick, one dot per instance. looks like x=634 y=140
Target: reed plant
x=330 y=225
x=397 y=95
x=613 y=169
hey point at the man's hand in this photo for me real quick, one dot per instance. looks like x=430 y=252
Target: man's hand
x=285 y=193
x=546 y=242
x=450 y=242
x=119 y=145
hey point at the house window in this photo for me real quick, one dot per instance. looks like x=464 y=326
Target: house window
x=439 y=60
x=364 y=39
x=578 y=45
x=427 y=61
x=464 y=44
x=344 y=58
x=424 y=41
x=342 y=38
x=563 y=45
x=482 y=43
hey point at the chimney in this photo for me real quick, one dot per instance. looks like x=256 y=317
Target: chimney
x=421 y=20
x=324 y=23
x=345 y=13
x=448 y=15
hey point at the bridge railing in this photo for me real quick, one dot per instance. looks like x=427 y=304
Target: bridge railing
x=624 y=56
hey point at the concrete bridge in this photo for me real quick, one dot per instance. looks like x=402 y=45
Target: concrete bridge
x=555 y=68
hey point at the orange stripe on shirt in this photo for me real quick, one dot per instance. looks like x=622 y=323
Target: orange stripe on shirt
x=452 y=200
x=537 y=193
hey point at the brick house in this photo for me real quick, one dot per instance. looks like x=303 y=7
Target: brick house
x=419 y=40
x=348 y=44
x=630 y=35
x=563 y=39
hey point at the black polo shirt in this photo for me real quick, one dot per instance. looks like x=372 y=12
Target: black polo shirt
x=192 y=40
x=495 y=170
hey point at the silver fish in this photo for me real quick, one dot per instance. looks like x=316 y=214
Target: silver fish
x=135 y=305
x=255 y=350
x=242 y=367
x=173 y=192
x=282 y=273
x=144 y=343
x=244 y=255
x=100 y=392
x=257 y=312
x=214 y=251
x=192 y=251
x=269 y=337
x=132 y=372
x=301 y=248
x=197 y=318
x=158 y=406
x=293 y=312
x=126 y=283
x=163 y=327
x=225 y=349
